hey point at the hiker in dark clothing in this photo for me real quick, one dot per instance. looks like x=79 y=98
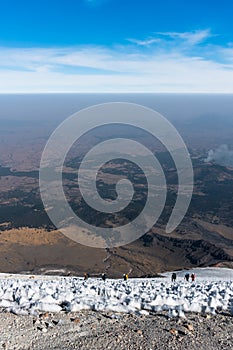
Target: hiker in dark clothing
x=125 y=277
x=187 y=276
x=103 y=276
x=193 y=277
x=173 y=277
x=86 y=275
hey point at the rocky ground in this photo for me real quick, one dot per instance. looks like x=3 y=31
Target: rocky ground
x=91 y=330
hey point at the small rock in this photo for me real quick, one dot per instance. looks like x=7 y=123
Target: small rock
x=115 y=317
x=61 y=322
x=173 y=331
x=49 y=324
x=207 y=316
x=36 y=321
x=75 y=320
x=180 y=338
x=45 y=315
x=189 y=327
x=84 y=334
x=55 y=322
x=42 y=329
x=183 y=331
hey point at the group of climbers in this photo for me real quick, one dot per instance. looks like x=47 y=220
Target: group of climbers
x=186 y=277
x=192 y=276
x=126 y=276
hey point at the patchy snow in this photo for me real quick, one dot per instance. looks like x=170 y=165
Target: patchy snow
x=211 y=291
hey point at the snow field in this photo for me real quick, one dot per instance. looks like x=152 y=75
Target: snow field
x=212 y=291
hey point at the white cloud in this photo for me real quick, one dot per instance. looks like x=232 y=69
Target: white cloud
x=145 y=42
x=129 y=68
x=190 y=38
x=193 y=38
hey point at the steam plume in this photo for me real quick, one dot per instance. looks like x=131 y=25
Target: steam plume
x=222 y=155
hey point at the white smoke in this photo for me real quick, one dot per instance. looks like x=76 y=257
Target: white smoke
x=222 y=155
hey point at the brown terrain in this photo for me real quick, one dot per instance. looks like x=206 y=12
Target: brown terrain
x=39 y=251
x=28 y=243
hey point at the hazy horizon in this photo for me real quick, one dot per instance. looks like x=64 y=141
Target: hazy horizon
x=174 y=106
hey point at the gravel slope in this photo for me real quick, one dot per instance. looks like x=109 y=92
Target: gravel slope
x=97 y=331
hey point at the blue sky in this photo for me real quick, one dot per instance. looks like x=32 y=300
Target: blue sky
x=116 y=46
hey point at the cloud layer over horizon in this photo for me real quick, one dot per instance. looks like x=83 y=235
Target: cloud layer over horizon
x=162 y=62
